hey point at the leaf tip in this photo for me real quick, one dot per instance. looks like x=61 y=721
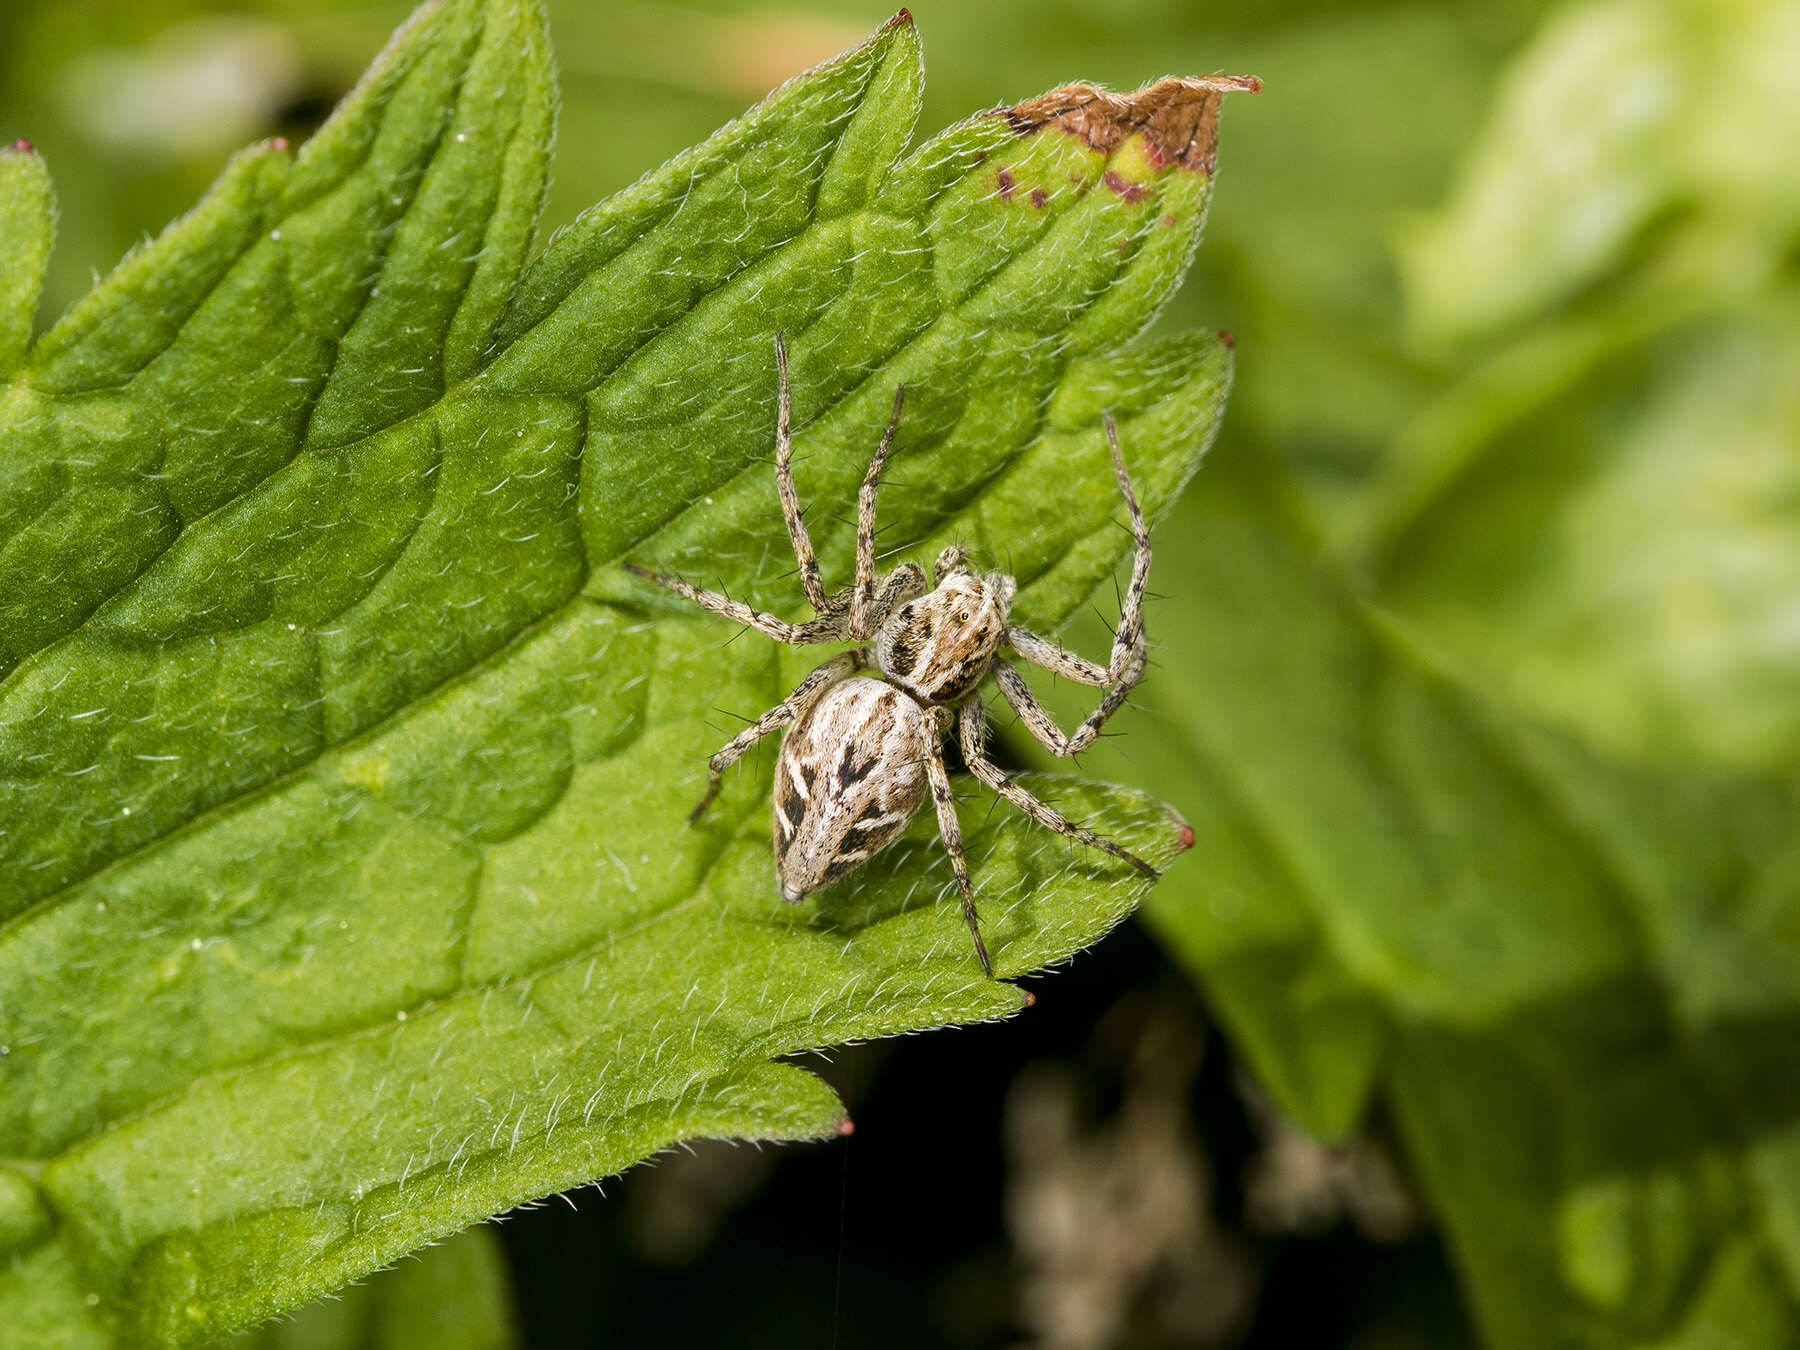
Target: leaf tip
x=22 y=147
x=1178 y=118
x=278 y=143
x=1185 y=836
x=903 y=19
x=1226 y=337
x=1027 y=999
x=846 y=1127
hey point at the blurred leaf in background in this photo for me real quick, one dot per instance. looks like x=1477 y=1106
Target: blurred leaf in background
x=1494 y=761
x=1602 y=518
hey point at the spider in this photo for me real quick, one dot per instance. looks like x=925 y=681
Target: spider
x=863 y=750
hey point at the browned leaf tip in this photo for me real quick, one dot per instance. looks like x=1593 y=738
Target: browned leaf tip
x=1179 y=117
x=22 y=146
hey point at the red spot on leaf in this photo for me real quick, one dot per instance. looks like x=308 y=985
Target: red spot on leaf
x=1130 y=191
x=1226 y=337
x=847 y=1127
x=278 y=143
x=1007 y=184
x=1040 y=198
x=1187 y=835
x=903 y=17
x=22 y=146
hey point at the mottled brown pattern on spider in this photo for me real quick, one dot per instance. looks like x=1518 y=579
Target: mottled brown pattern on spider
x=865 y=751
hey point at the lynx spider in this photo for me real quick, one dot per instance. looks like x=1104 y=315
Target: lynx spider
x=862 y=752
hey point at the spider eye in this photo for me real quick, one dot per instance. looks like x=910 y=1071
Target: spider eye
x=962 y=616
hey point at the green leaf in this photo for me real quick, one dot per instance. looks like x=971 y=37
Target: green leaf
x=453 y=1296
x=1572 y=978
x=1620 y=557
x=1621 y=115
x=1598 y=522
x=345 y=891
x=1298 y=256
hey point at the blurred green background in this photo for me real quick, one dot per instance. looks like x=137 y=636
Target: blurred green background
x=1478 y=675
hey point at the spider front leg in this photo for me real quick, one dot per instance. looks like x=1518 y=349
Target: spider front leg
x=945 y=801
x=1128 y=655
x=828 y=629
x=810 y=581
x=1043 y=727
x=973 y=730
x=846 y=663
x=863 y=621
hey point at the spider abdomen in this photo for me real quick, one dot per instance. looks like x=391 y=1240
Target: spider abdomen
x=851 y=774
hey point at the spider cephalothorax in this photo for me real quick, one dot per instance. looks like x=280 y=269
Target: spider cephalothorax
x=938 y=647
x=864 y=750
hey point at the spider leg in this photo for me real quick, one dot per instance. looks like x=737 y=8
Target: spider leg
x=810 y=581
x=1046 y=654
x=899 y=586
x=796 y=703
x=1043 y=727
x=973 y=729
x=948 y=560
x=1128 y=657
x=862 y=597
x=1129 y=637
x=953 y=845
x=827 y=629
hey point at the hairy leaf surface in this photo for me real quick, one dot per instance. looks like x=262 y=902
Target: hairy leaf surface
x=453 y=1296
x=345 y=891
